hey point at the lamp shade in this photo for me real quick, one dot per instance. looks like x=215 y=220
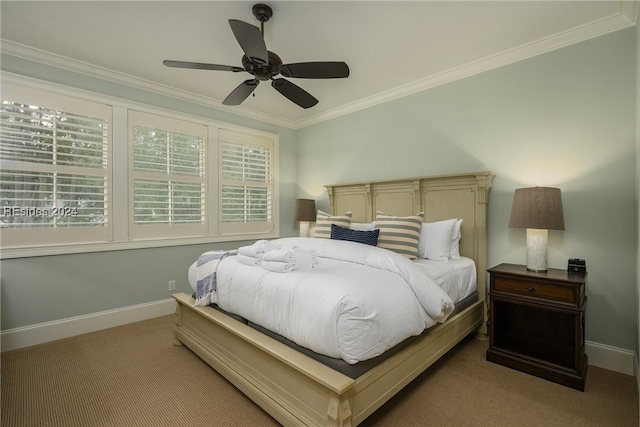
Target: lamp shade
x=537 y=208
x=305 y=210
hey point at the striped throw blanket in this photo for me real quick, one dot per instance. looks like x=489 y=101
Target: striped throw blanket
x=206 y=267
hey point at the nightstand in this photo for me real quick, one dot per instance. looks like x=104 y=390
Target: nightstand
x=536 y=323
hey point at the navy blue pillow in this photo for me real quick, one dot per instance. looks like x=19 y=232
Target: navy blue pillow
x=366 y=237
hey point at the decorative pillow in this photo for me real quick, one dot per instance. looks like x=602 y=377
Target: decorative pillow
x=363 y=226
x=366 y=237
x=455 y=241
x=400 y=234
x=435 y=239
x=324 y=221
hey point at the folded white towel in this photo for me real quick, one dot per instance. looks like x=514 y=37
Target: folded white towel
x=285 y=254
x=258 y=248
x=302 y=259
x=248 y=260
x=277 y=266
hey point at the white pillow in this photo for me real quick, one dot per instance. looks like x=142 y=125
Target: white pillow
x=363 y=226
x=435 y=239
x=455 y=241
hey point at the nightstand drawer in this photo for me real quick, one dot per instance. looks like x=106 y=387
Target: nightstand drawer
x=536 y=290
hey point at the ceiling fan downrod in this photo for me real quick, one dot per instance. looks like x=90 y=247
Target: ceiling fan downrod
x=263 y=13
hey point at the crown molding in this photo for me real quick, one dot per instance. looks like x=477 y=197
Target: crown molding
x=538 y=47
x=628 y=16
x=47 y=58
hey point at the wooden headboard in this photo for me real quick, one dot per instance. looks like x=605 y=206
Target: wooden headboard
x=464 y=196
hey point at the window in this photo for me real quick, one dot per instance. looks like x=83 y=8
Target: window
x=55 y=169
x=80 y=172
x=167 y=180
x=246 y=177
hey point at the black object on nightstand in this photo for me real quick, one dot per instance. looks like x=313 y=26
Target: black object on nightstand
x=536 y=323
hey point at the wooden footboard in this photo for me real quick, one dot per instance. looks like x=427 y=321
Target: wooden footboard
x=292 y=387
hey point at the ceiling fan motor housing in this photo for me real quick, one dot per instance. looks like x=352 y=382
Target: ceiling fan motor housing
x=265 y=72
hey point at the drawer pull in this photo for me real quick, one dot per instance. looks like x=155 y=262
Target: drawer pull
x=531 y=289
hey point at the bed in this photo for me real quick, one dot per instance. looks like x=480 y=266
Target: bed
x=297 y=389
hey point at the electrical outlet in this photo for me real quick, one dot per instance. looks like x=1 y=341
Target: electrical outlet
x=172 y=285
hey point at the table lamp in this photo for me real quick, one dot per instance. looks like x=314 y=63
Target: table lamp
x=305 y=212
x=538 y=209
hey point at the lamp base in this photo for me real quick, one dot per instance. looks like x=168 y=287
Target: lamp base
x=537 y=249
x=304 y=228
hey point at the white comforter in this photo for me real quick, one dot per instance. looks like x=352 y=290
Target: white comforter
x=356 y=303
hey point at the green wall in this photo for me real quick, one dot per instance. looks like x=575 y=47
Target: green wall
x=42 y=289
x=564 y=119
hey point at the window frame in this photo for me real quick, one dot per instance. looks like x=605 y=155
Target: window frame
x=38 y=237
x=244 y=139
x=169 y=231
x=120 y=227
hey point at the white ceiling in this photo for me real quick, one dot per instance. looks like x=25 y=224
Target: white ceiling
x=392 y=48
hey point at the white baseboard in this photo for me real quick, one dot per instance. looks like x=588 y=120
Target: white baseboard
x=611 y=358
x=50 y=331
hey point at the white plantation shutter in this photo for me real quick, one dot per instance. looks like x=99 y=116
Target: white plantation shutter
x=78 y=175
x=54 y=169
x=247 y=184
x=167 y=177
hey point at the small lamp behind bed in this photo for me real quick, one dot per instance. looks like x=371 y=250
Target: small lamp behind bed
x=305 y=212
x=538 y=209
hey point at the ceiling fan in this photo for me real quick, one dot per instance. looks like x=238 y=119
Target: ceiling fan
x=265 y=65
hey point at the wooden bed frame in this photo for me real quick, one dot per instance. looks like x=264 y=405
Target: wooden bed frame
x=296 y=389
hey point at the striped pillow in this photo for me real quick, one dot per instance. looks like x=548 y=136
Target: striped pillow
x=400 y=234
x=324 y=221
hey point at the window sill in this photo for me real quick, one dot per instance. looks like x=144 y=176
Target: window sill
x=28 y=252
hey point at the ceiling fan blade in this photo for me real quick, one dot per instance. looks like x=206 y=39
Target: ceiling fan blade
x=241 y=93
x=251 y=41
x=316 y=70
x=294 y=93
x=201 y=66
